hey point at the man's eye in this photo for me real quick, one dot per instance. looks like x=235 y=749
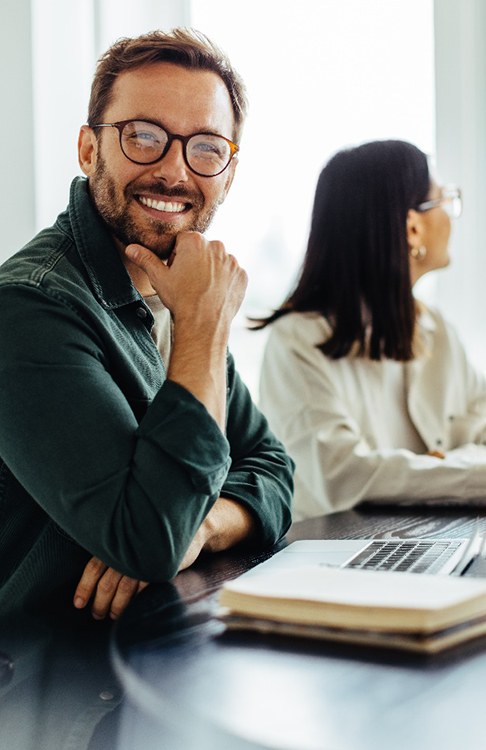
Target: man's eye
x=206 y=150
x=148 y=137
x=207 y=147
x=144 y=139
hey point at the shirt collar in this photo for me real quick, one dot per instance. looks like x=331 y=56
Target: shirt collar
x=111 y=282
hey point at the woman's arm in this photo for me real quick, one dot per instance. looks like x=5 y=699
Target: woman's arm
x=338 y=461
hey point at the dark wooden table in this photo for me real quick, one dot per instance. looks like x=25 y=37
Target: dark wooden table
x=192 y=685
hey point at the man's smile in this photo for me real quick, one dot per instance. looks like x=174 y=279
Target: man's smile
x=166 y=206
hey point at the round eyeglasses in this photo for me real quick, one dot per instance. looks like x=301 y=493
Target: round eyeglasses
x=450 y=200
x=145 y=142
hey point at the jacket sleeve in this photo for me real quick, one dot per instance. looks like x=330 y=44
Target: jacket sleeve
x=261 y=472
x=337 y=465
x=131 y=493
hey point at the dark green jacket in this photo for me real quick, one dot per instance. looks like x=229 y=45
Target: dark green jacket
x=100 y=453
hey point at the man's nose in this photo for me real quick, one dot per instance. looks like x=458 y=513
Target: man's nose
x=172 y=168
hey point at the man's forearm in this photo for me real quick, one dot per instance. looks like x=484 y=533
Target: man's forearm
x=227 y=523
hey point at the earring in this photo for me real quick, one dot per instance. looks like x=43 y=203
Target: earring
x=418 y=253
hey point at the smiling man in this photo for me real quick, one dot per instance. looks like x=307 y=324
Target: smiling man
x=128 y=443
x=152 y=202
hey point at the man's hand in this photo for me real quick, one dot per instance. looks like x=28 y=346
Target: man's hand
x=111 y=590
x=227 y=523
x=200 y=284
x=203 y=287
x=436 y=454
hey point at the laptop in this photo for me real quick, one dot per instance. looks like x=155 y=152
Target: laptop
x=433 y=556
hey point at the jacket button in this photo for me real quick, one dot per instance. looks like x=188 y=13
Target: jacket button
x=106 y=695
x=142 y=313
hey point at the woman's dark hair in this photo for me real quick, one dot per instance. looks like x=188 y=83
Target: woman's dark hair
x=356 y=268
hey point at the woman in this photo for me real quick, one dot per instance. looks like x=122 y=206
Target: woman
x=370 y=391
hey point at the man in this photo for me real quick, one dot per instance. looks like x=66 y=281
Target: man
x=126 y=436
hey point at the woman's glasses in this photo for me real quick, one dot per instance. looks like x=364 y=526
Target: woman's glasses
x=450 y=200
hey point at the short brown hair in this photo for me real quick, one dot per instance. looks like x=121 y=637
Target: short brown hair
x=186 y=47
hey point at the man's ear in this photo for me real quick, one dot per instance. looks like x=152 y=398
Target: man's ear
x=87 y=150
x=415 y=229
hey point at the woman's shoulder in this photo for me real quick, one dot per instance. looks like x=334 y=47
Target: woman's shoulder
x=431 y=319
x=311 y=327
x=439 y=335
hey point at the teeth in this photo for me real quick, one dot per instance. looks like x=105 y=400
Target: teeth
x=169 y=207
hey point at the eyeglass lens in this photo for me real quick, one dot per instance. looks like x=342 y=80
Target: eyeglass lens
x=452 y=203
x=144 y=142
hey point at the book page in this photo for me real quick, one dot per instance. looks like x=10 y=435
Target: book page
x=363 y=598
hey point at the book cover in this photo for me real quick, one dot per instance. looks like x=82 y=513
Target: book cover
x=421 y=612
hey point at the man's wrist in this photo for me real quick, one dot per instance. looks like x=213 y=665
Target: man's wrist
x=227 y=523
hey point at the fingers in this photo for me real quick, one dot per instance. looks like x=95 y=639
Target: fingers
x=113 y=594
x=110 y=591
x=88 y=582
x=154 y=268
x=148 y=261
x=199 y=274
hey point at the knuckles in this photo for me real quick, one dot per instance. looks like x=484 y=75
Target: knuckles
x=127 y=585
x=95 y=566
x=107 y=584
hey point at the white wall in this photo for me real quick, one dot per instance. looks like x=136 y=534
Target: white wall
x=460 y=56
x=17 y=203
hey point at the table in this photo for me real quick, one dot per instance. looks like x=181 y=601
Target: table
x=191 y=684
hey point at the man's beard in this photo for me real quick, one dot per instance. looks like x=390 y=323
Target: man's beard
x=160 y=237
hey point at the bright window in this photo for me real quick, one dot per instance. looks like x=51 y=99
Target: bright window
x=320 y=76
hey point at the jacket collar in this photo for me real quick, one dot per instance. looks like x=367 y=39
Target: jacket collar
x=111 y=282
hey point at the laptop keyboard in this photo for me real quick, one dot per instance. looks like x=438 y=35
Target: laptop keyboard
x=414 y=556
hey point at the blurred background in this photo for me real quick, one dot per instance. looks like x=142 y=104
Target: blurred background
x=321 y=75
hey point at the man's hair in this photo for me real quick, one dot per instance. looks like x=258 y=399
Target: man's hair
x=185 y=47
x=356 y=270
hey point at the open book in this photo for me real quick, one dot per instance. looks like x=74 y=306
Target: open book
x=424 y=613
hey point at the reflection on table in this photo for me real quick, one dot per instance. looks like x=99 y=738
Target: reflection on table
x=56 y=682
x=191 y=684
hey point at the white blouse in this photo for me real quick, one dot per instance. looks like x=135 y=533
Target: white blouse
x=360 y=430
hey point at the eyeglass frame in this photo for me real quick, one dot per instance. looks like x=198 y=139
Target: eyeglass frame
x=456 y=193
x=171 y=137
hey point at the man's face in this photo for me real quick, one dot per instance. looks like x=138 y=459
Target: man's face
x=151 y=203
